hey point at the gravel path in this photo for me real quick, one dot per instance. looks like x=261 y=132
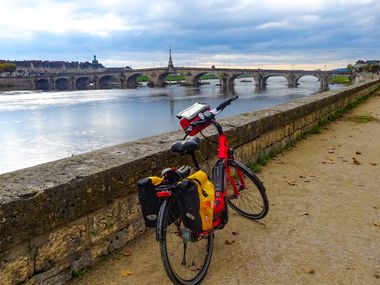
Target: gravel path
x=323 y=226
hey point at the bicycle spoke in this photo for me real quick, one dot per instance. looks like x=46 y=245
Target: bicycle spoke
x=250 y=201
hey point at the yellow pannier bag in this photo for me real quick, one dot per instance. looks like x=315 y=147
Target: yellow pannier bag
x=196 y=199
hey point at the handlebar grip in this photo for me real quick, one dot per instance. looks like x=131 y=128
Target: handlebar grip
x=226 y=103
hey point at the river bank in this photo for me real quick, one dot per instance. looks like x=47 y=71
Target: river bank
x=322 y=228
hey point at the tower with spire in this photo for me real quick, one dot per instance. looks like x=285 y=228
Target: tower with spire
x=170 y=64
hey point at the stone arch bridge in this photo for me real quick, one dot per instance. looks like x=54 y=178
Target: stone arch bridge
x=128 y=78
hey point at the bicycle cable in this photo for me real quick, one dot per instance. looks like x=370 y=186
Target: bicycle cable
x=207 y=139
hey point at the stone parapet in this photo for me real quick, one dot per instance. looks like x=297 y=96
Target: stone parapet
x=58 y=217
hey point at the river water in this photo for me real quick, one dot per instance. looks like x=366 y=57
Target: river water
x=37 y=127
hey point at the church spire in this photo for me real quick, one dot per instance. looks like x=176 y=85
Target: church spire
x=170 y=64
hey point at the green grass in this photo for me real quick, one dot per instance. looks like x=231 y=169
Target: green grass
x=79 y=274
x=256 y=166
x=340 y=79
x=361 y=119
x=315 y=130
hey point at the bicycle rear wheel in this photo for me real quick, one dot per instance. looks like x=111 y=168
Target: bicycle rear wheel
x=185 y=257
x=252 y=202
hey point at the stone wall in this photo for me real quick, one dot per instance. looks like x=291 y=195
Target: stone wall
x=59 y=217
x=15 y=83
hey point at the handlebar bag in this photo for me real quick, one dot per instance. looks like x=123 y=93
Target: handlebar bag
x=196 y=201
x=150 y=203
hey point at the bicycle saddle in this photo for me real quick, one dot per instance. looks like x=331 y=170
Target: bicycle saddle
x=186 y=146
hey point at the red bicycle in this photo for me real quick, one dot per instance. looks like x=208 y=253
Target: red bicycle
x=186 y=254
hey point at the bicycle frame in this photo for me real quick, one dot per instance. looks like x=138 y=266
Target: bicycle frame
x=225 y=153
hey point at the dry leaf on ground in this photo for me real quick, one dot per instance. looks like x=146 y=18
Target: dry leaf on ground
x=376 y=224
x=126 y=252
x=126 y=273
x=291 y=182
x=373 y=163
x=308 y=270
x=230 y=241
x=358 y=153
x=355 y=161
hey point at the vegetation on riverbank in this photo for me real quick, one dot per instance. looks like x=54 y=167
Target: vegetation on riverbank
x=7 y=67
x=340 y=79
x=263 y=159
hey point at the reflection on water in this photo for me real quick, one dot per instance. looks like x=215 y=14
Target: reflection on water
x=37 y=127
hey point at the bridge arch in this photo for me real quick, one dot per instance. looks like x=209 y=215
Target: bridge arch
x=83 y=83
x=109 y=81
x=196 y=79
x=131 y=80
x=232 y=78
x=297 y=79
x=62 y=84
x=161 y=78
x=42 y=84
x=265 y=78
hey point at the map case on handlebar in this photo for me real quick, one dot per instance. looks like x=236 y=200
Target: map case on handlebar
x=193 y=111
x=190 y=115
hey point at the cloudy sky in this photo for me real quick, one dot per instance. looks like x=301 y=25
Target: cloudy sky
x=271 y=33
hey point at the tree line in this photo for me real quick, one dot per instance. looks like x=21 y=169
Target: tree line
x=7 y=67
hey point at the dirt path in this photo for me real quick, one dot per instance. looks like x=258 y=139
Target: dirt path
x=323 y=226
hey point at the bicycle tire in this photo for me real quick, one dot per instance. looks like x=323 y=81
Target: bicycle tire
x=253 y=197
x=178 y=272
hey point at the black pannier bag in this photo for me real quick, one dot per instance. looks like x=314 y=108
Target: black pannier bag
x=150 y=203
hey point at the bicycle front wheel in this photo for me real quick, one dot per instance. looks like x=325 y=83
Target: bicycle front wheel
x=252 y=201
x=185 y=256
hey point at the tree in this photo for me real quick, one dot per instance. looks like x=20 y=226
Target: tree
x=8 y=67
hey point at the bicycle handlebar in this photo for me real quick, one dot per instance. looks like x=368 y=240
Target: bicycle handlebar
x=226 y=103
x=208 y=116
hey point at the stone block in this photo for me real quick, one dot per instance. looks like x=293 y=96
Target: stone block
x=60 y=274
x=99 y=249
x=16 y=271
x=130 y=210
x=56 y=246
x=103 y=222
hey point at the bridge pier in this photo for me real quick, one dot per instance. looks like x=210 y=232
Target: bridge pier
x=324 y=80
x=292 y=80
x=260 y=81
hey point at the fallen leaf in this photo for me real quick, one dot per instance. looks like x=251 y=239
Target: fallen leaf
x=358 y=153
x=331 y=152
x=303 y=214
x=261 y=223
x=373 y=163
x=291 y=182
x=126 y=252
x=126 y=273
x=306 y=180
x=355 y=161
x=308 y=270
x=235 y=233
x=230 y=241
x=331 y=159
x=376 y=224
x=302 y=176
